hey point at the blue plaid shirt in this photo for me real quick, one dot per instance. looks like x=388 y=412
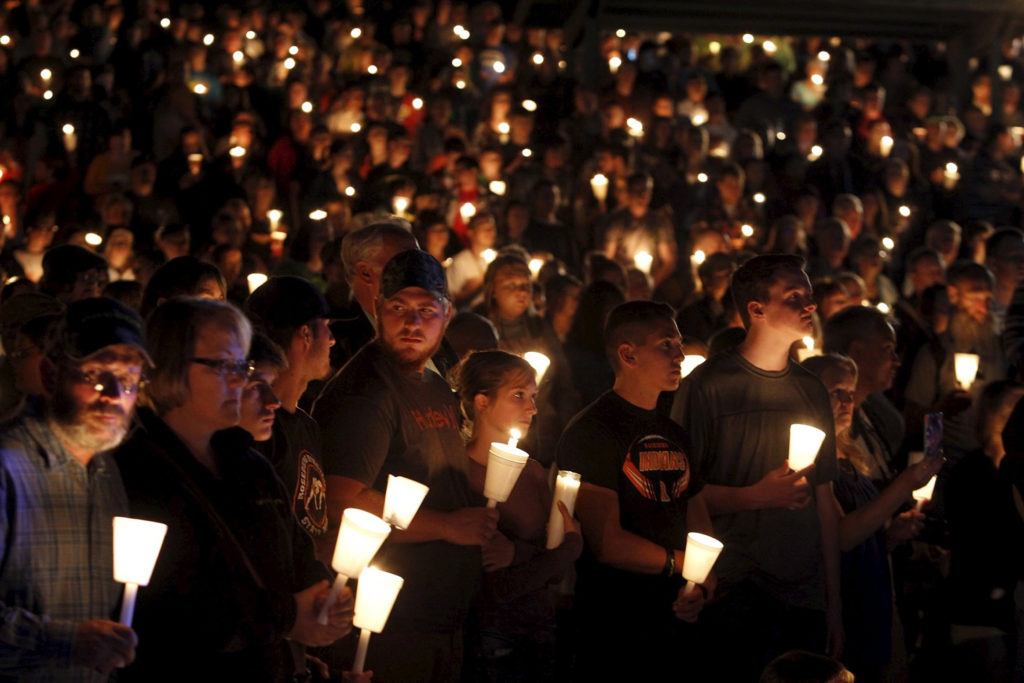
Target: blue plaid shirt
x=56 y=551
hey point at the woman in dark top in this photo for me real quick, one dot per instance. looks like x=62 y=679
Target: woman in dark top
x=236 y=581
x=516 y=612
x=868 y=529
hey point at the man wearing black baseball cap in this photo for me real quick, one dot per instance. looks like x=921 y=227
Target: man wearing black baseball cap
x=294 y=315
x=59 y=477
x=385 y=414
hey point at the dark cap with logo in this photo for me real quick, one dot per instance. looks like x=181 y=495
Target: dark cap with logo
x=413 y=268
x=91 y=325
x=286 y=301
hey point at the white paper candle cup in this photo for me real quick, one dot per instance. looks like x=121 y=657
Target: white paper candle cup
x=965 y=365
x=375 y=597
x=804 y=442
x=504 y=465
x=402 y=501
x=374 y=600
x=700 y=555
x=255 y=281
x=924 y=494
x=137 y=544
x=359 y=538
x=567 y=487
x=539 y=362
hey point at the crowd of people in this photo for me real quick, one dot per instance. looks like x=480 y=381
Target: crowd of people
x=257 y=258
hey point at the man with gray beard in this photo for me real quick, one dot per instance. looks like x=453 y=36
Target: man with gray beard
x=972 y=329
x=59 y=493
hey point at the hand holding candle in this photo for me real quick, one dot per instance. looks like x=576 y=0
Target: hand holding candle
x=965 y=366
x=359 y=538
x=374 y=600
x=701 y=553
x=567 y=487
x=137 y=544
x=402 y=501
x=924 y=494
x=505 y=463
x=804 y=443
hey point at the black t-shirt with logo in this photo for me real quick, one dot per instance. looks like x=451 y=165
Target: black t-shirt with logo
x=642 y=456
x=294 y=450
x=377 y=421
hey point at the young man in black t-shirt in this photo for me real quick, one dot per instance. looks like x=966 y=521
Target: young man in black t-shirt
x=294 y=315
x=639 y=498
x=779 y=572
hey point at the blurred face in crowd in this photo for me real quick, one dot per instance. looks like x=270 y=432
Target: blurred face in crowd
x=92 y=400
x=927 y=271
x=512 y=292
x=25 y=357
x=832 y=304
x=483 y=234
x=877 y=360
x=730 y=189
x=411 y=325
x=972 y=298
x=88 y=284
x=511 y=406
x=1007 y=264
x=259 y=403
x=490 y=165
x=841 y=385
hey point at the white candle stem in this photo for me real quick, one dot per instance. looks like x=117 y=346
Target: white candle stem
x=690 y=587
x=364 y=643
x=920 y=504
x=339 y=582
x=491 y=503
x=128 y=603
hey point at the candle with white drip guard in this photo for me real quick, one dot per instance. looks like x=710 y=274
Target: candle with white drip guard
x=567 y=487
x=359 y=538
x=137 y=544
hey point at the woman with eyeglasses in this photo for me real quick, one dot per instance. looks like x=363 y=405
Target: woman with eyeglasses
x=236 y=579
x=869 y=527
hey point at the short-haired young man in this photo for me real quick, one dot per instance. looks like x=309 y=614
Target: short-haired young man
x=382 y=414
x=294 y=315
x=779 y=572
x=639 y=498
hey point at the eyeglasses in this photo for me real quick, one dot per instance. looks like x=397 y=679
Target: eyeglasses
x=103 y=381
x=225 y=367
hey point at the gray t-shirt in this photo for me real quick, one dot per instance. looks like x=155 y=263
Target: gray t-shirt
x=738 y=419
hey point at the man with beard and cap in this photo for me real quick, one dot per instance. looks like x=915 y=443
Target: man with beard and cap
x=386 y=414
x=61 y=491
x=972 y=329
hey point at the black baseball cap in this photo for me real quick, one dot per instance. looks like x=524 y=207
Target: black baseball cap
x=91 y=325
x=286 y=301
x=413 y=268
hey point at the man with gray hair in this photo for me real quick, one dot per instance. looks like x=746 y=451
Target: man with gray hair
x=61 y=491
x=363 y=255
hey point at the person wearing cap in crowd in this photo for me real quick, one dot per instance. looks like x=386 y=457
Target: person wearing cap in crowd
x=61 y=491
x=71 y=272
x=384 y=414
x=24 y=319
x=294 y=316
